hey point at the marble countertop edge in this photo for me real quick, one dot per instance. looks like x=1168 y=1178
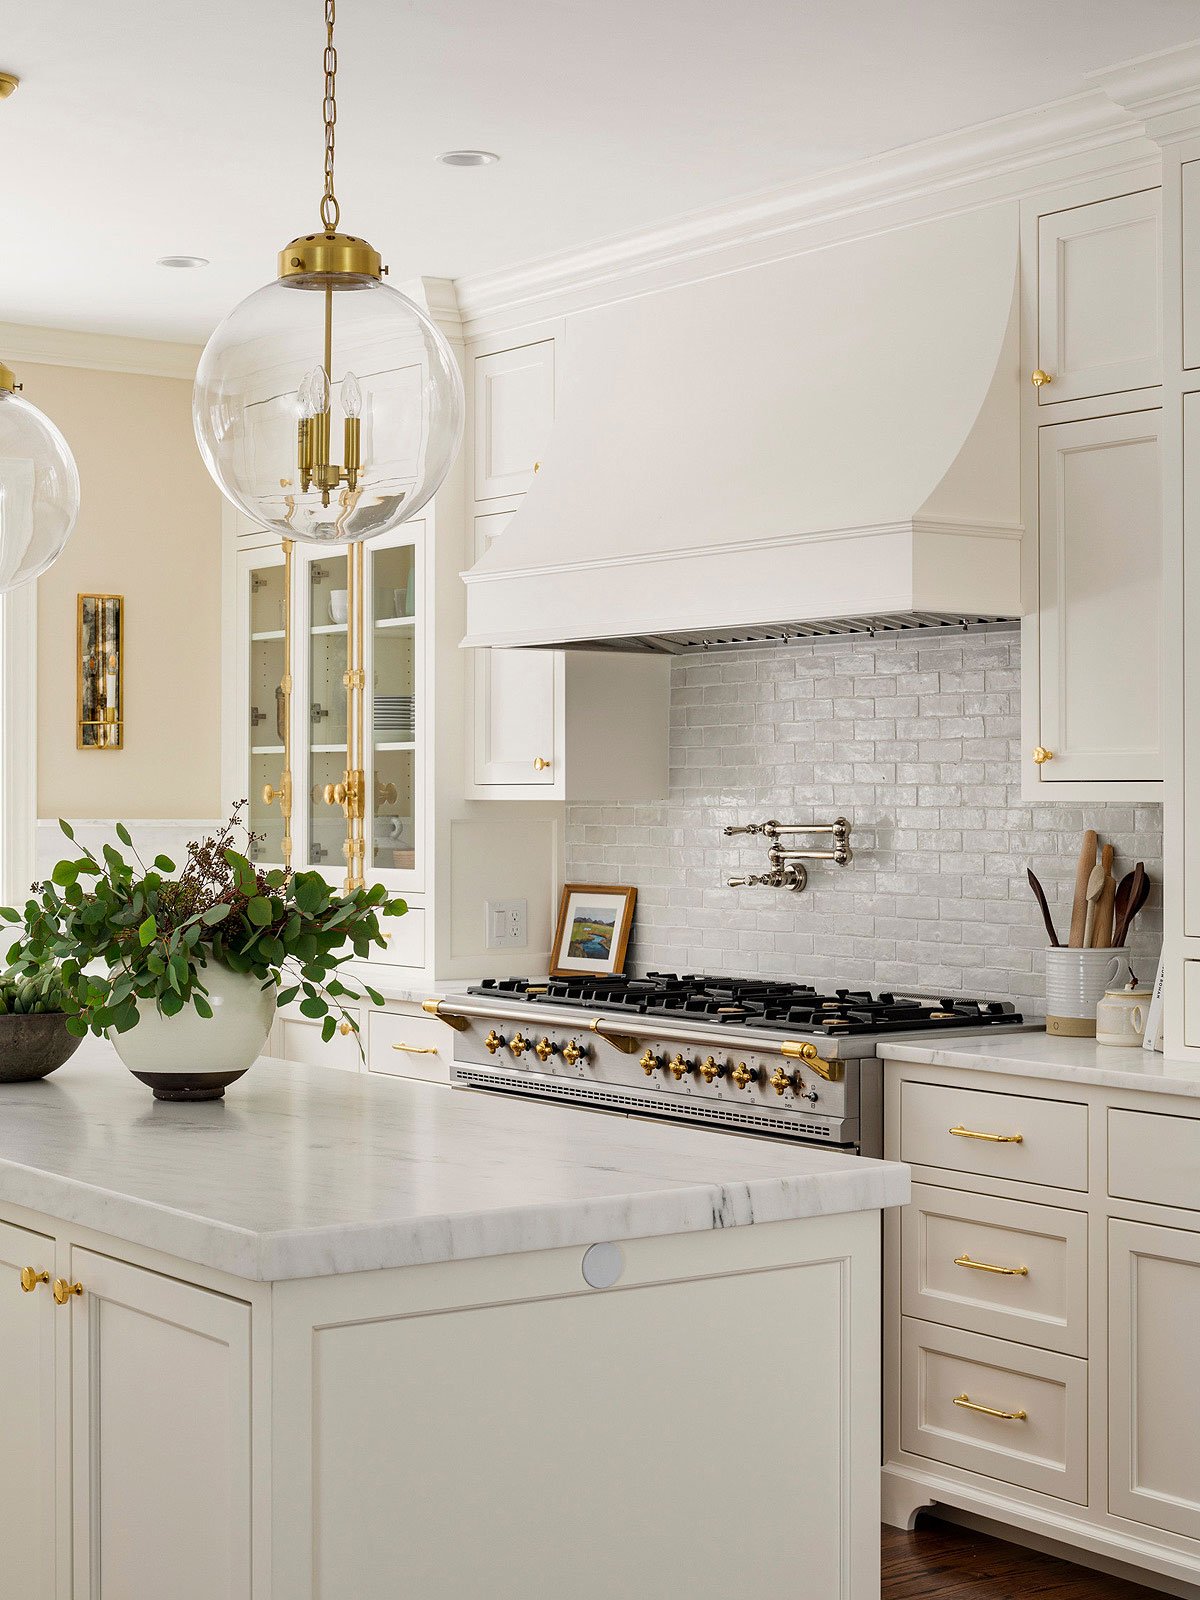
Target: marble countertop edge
x=1062 y=1060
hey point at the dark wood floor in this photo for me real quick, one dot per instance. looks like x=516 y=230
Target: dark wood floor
x=950 y=1563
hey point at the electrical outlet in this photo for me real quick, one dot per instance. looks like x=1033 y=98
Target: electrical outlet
x=507 y=924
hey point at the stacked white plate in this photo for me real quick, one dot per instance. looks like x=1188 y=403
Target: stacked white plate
x=396 y=717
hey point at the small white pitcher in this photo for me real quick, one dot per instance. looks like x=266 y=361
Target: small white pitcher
x=1121 y=1015
x=1076 y=981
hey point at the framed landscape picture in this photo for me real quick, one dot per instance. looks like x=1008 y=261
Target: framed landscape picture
x=594 y=922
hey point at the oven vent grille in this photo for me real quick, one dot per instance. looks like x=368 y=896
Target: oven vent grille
x=680 y=1109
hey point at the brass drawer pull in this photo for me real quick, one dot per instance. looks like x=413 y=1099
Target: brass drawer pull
x=989 y=1411
x=986 y=1266
x=991 y=1138
x=417 y=1049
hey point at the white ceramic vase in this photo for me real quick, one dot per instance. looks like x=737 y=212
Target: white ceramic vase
x=190 y=1057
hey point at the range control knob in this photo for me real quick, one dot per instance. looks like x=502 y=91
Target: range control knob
x=650 y=1063
x=518 y=1044
x=710 y=1069
x=573 y=1053
x=493 y=1042
x=678 y=1065
x=809 y=1094
x=780 y=1080
x=743 y=1075
x=544 y=1049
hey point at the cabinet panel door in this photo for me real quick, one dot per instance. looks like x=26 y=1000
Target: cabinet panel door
x=1099 y=298
x=27 y=1407
x=1190 y=178
x=1154 y=1401
x=514 y=408
x=1099 y=599
x=516 y=714
x=160 y=1427
x=1191 y=663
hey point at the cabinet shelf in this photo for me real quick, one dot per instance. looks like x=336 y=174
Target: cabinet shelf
x=266 y=749
x=268 y=636
x=394 y=744
x=395 y=622
x=327 y=627
x=328 y=749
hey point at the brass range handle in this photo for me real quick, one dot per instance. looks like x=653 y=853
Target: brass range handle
x=540 y=764
x=1039 y=379
x=417 y=1049
x=831 y=1071
x=988 y=1138
x=1041 y=755
x=31 y=1277
x=986 y=1266
x=64 y=1290
x=968 y=1404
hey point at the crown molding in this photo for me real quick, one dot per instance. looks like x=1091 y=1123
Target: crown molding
x=992 y=161
x=439 y=298
x=1161 y=90
x=100 y=352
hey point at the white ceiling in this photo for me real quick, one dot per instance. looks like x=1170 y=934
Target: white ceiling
x=144 y=128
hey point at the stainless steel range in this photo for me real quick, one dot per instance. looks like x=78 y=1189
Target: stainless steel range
x=751 y=1056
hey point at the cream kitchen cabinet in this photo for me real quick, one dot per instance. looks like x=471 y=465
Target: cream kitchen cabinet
x=27 y=1404
x=1099 y=327
x=1094 y=641
x=513 y=410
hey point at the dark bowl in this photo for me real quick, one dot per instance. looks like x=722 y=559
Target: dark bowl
x=32 y=1046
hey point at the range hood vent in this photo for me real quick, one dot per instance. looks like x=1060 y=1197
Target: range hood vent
x=818 y=445
x=678 y=644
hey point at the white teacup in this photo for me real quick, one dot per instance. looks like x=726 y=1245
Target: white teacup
x=338 y=604
x=1075 y=984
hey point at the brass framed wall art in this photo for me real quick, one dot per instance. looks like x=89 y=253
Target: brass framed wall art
x=99 y=668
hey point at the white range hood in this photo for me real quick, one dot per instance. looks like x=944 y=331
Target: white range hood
x=828 y=443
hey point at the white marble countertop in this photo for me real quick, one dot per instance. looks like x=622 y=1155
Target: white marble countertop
x=307 y=1171
x=1044 y=1055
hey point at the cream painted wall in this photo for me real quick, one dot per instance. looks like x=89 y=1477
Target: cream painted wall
x=149 y=529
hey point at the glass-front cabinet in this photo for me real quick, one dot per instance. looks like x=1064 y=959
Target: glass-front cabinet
x=372 y=725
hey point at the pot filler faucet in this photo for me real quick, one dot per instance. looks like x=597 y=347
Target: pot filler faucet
x=787 y=870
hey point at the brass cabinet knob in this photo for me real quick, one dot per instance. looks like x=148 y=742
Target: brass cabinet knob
x=344 y=1028
x=1041 y=755
x=335 y=794
x=709 y=1069
x=1040 y=379
x=544 y=1049
x=677 y=1066
x=270 y=795
x=537 y=466
x=573 y=1054
x=64 y=1290
x=649 y=1063
x=540 y=764
x=780 y=1080
x=31 y=1277
x=742 y=1074
x=493 y=1042
x=518 y=1044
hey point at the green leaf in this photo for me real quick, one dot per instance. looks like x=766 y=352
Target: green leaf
x=373 y=995
x=259 y=911
x=64 y=873
x=311 y=893
x=66 y=828
x=201 y=1004
x=215 y=914
x=286 y=996
x=148 y=931
x=76 y=1026
x=314 y=1006
x=164 y=863
x=171 y=1005
x=9 y=914
x=244 y=876
x=122 y=833
x=328 y=1029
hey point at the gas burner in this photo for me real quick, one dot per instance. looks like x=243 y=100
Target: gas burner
x=756 y=1003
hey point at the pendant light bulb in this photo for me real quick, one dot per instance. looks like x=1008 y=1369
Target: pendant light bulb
x=318 y=391
x=304 y=405
x=351 y=396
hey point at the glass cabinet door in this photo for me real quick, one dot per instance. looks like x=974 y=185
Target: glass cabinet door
x=323 y=714
x=262 y=603
x=393 y=707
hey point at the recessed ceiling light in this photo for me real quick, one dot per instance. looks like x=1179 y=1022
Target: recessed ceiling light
x=183 y=261
x=468 y=158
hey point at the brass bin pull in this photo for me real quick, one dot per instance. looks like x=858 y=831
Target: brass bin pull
x=986 y=1266
x=64 y=1290
x=989 y=1411
x=417 y=1049
x=990 y=1138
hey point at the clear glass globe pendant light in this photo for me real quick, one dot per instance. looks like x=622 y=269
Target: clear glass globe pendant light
x=39 y=488
x=328 y=337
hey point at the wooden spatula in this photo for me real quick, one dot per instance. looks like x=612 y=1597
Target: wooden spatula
x=1095 y=887
x=1083 y=872
x=1102 y=927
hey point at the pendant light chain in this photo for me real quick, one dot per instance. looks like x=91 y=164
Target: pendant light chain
x=330 y=210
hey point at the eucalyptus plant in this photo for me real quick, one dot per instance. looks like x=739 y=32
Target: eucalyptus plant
x=122 y=935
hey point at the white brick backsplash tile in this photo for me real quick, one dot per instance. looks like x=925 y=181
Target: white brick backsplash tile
x=918 y=743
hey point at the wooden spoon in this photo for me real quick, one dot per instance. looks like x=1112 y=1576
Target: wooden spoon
x=1095 y=887
x=1039 y=895
x=1087 y=861
x=1139 y=893
x=1102 y=928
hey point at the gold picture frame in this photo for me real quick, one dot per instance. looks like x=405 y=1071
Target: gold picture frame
x=100 y=672
x=594 y=924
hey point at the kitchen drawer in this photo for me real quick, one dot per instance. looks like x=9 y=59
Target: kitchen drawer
x=950 y=1238
x=1009 y=1136
x=405 y=938
x=1044 y=1450
x=1154 y=1158
x=297 y=1038
x=409 y=1044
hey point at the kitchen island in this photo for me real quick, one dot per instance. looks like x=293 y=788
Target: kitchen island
x=346 y=1338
